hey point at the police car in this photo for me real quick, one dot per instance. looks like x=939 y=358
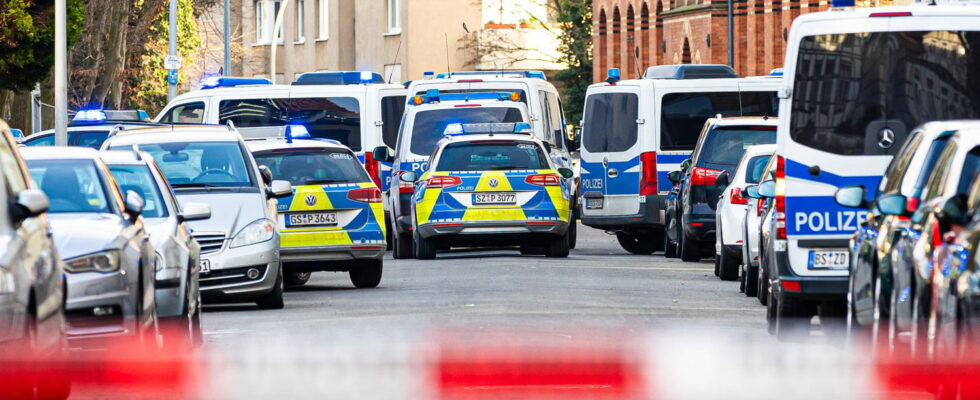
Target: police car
x=827 y=140
x=90 y=128
x=423 y=126
x=490 y=185
x=333 y=221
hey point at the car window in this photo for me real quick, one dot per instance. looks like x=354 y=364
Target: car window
x=337 y=118
x=71 y=185
x=557 y=120
x=724 y=146
x=971 y=164
x=188 y=113
x=139 y=179
x=430 y=126
x=476 y=156
x=313 y=166
x=937 y=176
x=392 y=109
x=45 y=140
x=892 y=178
x=89 y=139
x=755 y=168
x=610 y=122
x=546 y=118
x=936 y=150
x=200 y=164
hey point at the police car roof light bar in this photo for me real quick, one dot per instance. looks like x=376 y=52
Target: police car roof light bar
x=90 y=116
x=487 y=128
x=495 y=74
x=841 y=3
x=338 y=78
x=776 y=72
x=296 y=132
x=214 y=82
x=613 y=76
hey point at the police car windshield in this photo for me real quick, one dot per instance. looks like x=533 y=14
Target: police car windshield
x=72 y=186
x=724 y=147
x=137 y=178
x=430 y=126
x=200 y=164
x=313 y=166
x=491 y=155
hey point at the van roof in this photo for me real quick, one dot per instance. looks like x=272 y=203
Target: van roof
x=923 y=9
x=743 y=121
x=281 y=91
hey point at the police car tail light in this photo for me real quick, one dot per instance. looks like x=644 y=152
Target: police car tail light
x=780 y=197
x=406 y=187
x=648 y=178
x=365 y=195
x=737 y=198
x=543 y=180
x=701 y=176
x=371 y=165
x=442 y=182
x=759 y=206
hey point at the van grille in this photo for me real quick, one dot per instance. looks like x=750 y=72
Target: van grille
x=210 y=243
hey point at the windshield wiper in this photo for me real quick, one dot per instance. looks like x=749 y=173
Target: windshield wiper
x=322 y=181
x=193 y=185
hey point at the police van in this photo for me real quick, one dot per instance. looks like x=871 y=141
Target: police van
x=635 y=132
x=422 y=127
x=856 y=82
x=356 y=109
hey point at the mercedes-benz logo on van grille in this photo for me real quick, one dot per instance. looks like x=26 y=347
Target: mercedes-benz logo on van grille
x=886 y=138
x=310 y=200
x=493 y=182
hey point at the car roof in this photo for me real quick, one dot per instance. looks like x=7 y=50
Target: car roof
x=758 y=149
x=91 y=128
x=743 y=121
x=123 y=157
x=485 y=136
x=176 y=133
x=58 y=153
x=281 y=143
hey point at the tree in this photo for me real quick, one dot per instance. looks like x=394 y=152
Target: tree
x=575 y=17
x=27 y=40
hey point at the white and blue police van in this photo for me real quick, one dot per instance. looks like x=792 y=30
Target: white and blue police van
x=357 y=109
x=634 y=132
x=856 y=82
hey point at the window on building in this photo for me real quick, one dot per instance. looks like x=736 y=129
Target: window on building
x=261 y=35
x=323 y=21
x=276 y=6
x=300 y=21
x=394 y=17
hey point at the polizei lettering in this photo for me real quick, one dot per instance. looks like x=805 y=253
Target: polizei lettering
x=828 y=221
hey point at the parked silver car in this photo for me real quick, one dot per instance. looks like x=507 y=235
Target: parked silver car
x=177 y=253
x=240 y=242
x=101 y=237
x=32 y=285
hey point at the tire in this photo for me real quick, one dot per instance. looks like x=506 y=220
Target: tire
x=388 y=241
x=832 y=318
x=751 y=281
x=762 y=283
x=273 y=300
x=559 y=248
x=572 y=233
x=728 y=266
x=402 y=246
x=792 y=319
x=297 y=278
x=689 y=251
x=528 y=250
x=636 y=243
x=425 y=249
x=367 y=275
x=670 y=249
x=717 y=267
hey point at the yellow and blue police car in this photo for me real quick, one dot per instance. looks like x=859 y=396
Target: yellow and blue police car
x=490 y=184
x=334 y=220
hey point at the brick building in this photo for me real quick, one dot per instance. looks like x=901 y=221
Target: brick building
x=635 y=34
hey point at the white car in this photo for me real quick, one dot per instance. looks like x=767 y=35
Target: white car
x=754 y=229
x=731 y=210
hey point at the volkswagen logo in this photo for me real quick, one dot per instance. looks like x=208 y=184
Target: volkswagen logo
x=493 y=182
x=886 y=138
x=310 y=200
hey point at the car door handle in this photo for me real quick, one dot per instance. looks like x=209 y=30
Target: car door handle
x=612 y=173
x=605 y=162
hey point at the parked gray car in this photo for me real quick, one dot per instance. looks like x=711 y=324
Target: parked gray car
x=177 y=253
x=240 y=242
x=101 y=237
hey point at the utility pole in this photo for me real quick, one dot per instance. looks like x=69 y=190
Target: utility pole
x=60 y=74
x=731 y=36
x=227 y=68
x=171 y=81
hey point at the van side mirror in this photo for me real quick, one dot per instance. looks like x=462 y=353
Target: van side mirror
x=767 y=189
x=133 y=205
x=576 y=143
x=381 y=153
x=953 y=211
x=266 y=174
x=891 y=204
x=723 y=179
x=851 y=196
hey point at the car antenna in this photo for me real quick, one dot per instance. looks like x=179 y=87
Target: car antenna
x=395 y=60
x=449 y=68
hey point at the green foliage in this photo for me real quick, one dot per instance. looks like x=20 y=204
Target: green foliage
x=27 y=40
x=576 y=52
x=148 y=82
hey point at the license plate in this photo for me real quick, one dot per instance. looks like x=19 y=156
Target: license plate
x=594 y=204
x=494 y=198
x=312 y=219
x=826 y=259
x=205 y=266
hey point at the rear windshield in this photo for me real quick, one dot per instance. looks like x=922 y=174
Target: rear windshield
x=392 y=108
x=476 y=156
x=755 y=168
x=337 y=118
x=139 y=179
x=853 y=90
x=313 y=166
x=683 y=114
x=610 y=122
x=726 y=146
x=90 y=139
x=72 y=186
x=430 y=126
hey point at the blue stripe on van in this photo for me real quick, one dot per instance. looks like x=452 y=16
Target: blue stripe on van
x=671 y=158
x=798 y=170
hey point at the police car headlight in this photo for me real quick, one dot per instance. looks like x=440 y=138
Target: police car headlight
x=106 y=261
x=257 y=232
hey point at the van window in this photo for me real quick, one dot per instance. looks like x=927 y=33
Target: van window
x=683 y=115
x=187 y=113
x=557 y=120
x=89 y=139
x=337 y=118
x=430 y=126
x=546 y=118
x=392 y=108
x=850 y=87
x=610 y=122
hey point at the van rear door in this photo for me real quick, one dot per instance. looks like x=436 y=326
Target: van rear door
x=392 y=103
x=610 y=163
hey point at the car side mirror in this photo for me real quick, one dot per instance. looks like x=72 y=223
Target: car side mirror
x=674 y=176
x=30 y=203
x=891 y=204
x=194 y=212
x=851 y=196
x=767 y=189
x=751 y=192
x=133 y=205
x=723 y=180
x=576 y=142
x=266 y=174
x=953 y=211
x=280 y=189
x=381 y=153
x=566 y=173
x=408 y=176
x=686 y=164
x=547 y=147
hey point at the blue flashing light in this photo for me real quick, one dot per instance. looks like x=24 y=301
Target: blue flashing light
x=17 y=133
x=536 y=74
x=338 y=78
x=522 y=127
x=493 y=74
x=367 y=77
x=453 y=129
x=841 y=3
x=296 y=132
x=91 y=116
x=213 y=82
x=143 y=115
x=776 y=72
x=432 y=96
x=428 y=75
x=614 y=75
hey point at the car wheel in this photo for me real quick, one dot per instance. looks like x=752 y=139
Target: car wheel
x=751 y=281
x=402 y=247
x=762 y=282
x=297 y=278
x=572 y=233
x=636 y=243
x=689 y=250
x=832 y=314
x=367 y=275
x=425 y=249
x=528 y=250
x=728 y=266
x=670 y=249
x=771 y=316
x=273 y=300
x=558 y=248
x=792 y=319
